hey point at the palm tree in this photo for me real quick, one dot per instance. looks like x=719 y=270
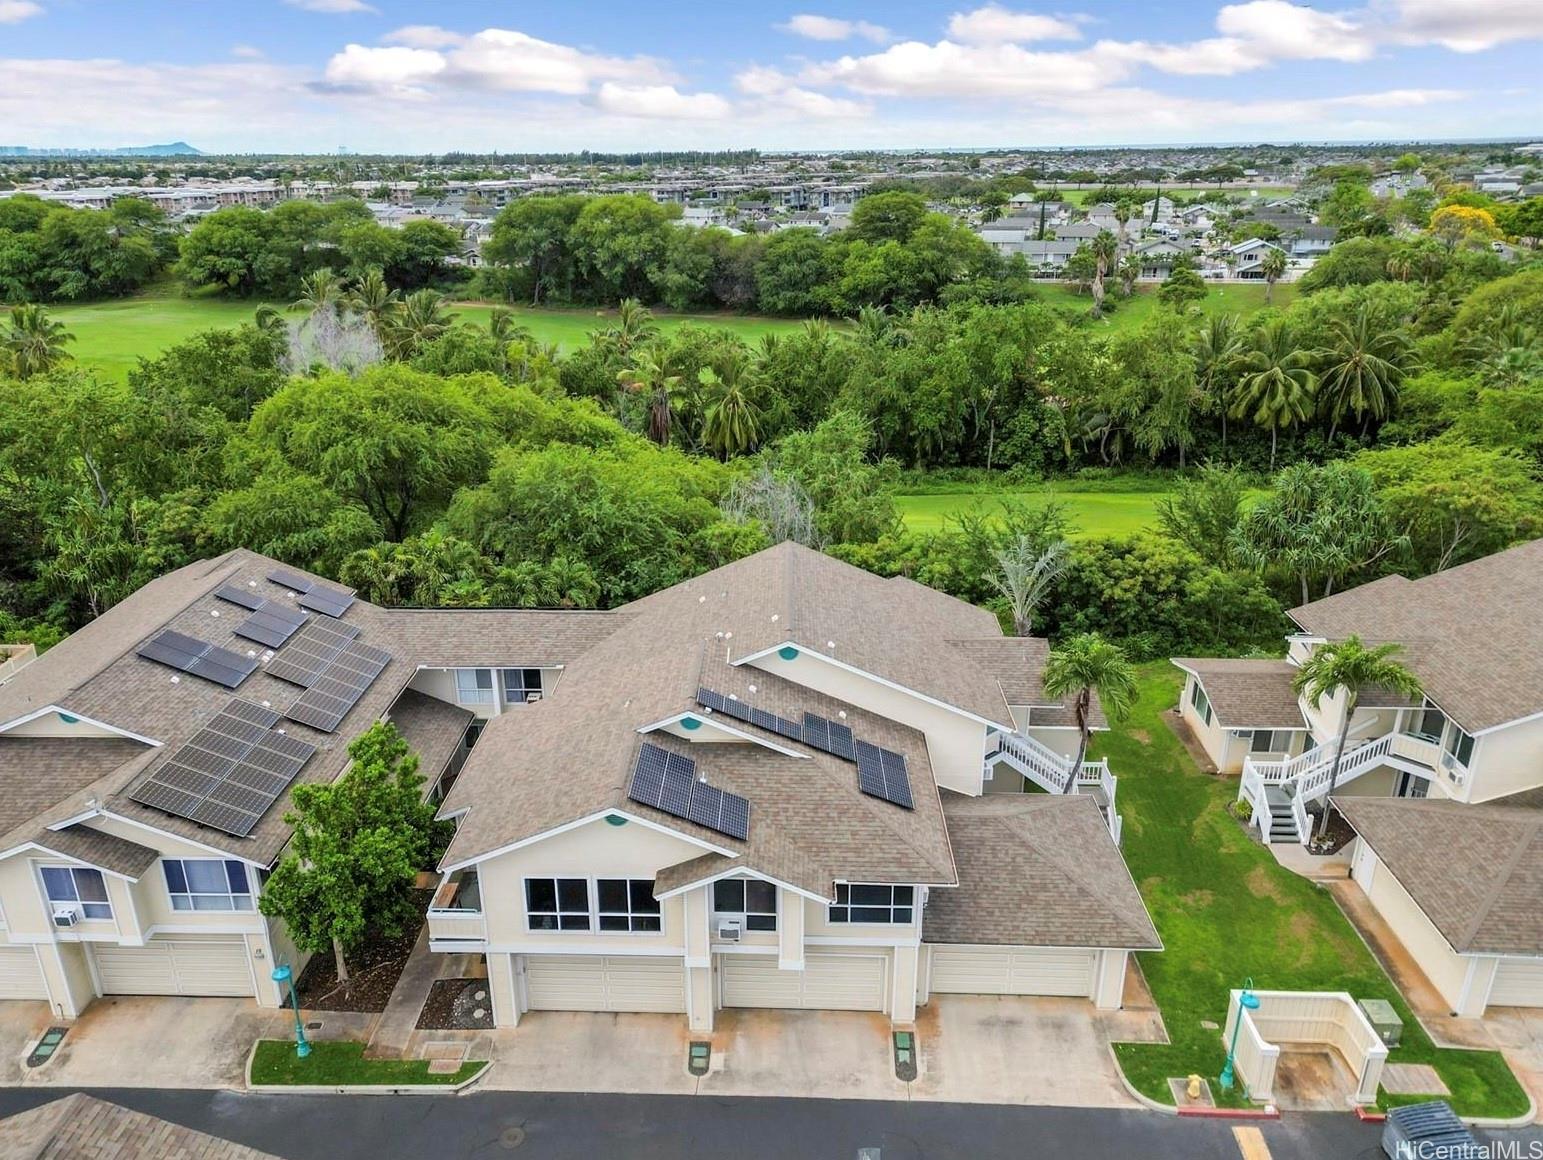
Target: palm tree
x=1129 y=270
x=1024 y=575
x=421 y=319
x=1272 y=264
x=372 y=298
x=504 y=328
x=1216 y=348
x=1350 y=666
x=1276 y=388
x=1084 y=665
x=1104 y=248
x=648 y=375
x=1362 y=368
x=269 y=320
x=318 y=289
x=1124 y=210
x=634 y=326
x=34 y=342
x=731 y=422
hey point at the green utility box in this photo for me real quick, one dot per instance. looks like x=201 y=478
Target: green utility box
x=1384 y=1020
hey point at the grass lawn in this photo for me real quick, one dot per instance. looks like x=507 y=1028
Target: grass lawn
x=1226 y=911
x=334 y=1062
x=1130 y=313
x=1092 y=513
x=112 y=336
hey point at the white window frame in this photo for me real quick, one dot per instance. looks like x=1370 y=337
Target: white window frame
x=522 y=694
x=560 y=911
x=892 y=906
x=630 y=915
x=743 y=915
x=1276 y=736
x=475 y=694
x=78 y=901
x=231 y=895
x=1200 y=702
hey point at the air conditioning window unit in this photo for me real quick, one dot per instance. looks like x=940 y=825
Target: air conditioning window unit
x=66 y=916
x=729 y=930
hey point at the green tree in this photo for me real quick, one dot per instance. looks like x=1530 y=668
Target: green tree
x=1348 y=667
x=1204 y=511
x=1024 y=575
x=731 y=421
x=1105 y=249
x=33 y=342
x=1083 y=666
x=319 y=290
x=358 y=845
x=620 y=243
x=1217 y=347
x=1276 y=384
x=531 y=235
x=1182 y=286
x=648 y=377
x=421 y=318
x=1272 y=264
x=888 y=217
x=1362 y=369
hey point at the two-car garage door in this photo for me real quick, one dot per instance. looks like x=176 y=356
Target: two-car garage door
x=605 y=983
x=175 y=967
x=987 y=970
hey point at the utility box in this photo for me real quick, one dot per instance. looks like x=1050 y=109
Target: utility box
x=1384 y=1020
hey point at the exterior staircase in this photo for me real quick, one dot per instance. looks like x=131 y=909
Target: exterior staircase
x=1053 y=773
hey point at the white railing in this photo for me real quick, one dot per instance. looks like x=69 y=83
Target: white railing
x=1315 y=784
x=1053 y=771
x=1300 y=818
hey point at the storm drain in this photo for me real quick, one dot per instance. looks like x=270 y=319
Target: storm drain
x=905 y=1055
x=698 y=1056
x=44 y=1051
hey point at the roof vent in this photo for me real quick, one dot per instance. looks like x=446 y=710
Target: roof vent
x=214 y=612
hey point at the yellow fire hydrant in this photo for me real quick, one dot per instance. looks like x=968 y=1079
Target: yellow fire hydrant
x=1193 y=1090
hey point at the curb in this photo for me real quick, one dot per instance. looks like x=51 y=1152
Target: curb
x=361 y=1089
x=1268 y=1113
x=1369 y=1117
x=1150 y=1104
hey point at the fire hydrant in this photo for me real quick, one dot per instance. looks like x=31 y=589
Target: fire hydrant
x=1193 y=1090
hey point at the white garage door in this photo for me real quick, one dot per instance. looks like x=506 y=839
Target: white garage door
x=827 y=982
x=21 y=975
x=175 y=967
x=1518 y=983
x=972 y=970
x=605 y=983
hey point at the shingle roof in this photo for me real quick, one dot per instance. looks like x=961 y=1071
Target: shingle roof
x=1248 y=694
x=1475 y=870
x=82 y=1127
x=107 y=851
x=432 y=729
x=38 y=772
x=1472 y=633
x=1036 y=870
x=1017 y=663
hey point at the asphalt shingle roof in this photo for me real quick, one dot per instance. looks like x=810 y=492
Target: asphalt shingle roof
x=107 y=851
x=1248 y=694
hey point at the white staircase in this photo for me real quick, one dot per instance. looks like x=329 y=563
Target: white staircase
x=1054 y=773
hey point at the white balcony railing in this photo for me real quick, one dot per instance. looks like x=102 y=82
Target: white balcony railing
x=1054 y=773
x=455 y=915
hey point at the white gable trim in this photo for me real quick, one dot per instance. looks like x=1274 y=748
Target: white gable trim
x=708 y=717
x=149 y=829
x=745 y=872
x=47 y=709
x=72 y=858
x=584 y=821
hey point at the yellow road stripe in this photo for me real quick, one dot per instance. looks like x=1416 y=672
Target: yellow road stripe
x=1251 y=1143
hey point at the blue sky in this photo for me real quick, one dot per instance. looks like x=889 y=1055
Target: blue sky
x=400 y=76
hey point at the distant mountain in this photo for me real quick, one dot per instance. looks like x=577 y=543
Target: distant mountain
x=175 y=149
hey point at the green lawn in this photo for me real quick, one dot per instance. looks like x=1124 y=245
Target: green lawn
x=1129 y=313
x=335 y=1062
x=1226 y=911
x=112 y=336
x=1092 y=513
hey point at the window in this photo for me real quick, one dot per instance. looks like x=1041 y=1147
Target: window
x=474 y=686
x=1430 y=723
x=207 y=884
x=1459 y=748
x=557 y=903
x=749 y=899
x=1201 y=702
x=520 y=685
x=1270 y=741
x=628 y=904
x=85 y=888
x=889 y=904
x=473 y=732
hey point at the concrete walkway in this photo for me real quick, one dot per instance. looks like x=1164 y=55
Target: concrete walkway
x=394 y=1030
x=1294 y=856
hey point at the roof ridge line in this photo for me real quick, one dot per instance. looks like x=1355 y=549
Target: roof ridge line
x=1481 y=913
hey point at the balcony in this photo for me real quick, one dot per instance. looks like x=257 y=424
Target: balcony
x=455 y=916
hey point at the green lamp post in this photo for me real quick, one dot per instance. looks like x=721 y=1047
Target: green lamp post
x=1247 y=1001
x=282 y=975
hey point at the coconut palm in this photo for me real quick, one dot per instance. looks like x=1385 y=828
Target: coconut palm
x=269 y=320
x=1084 y=665
x=504 y=327
x=34 y=342
x=1362 y=368
x=1104 y=248
x=1276 y=386
x=634 y=326
x=1024 y=575
x=374 y=300
x=421 y=319
x=1272 y=264
x=1350 y=667
x=1129 y=271
x=649 y=376
x=731 y=422
x=1216 y=348
x=317 y=289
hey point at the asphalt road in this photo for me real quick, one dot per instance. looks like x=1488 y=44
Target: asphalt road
x=493 y=1125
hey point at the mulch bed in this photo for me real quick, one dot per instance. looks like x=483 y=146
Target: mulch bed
x=454 y=1005
x=373 y=970
x=1338 y=837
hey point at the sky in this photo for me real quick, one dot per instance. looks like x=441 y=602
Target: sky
x=414 y=76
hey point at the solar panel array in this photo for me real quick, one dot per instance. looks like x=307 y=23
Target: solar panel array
x=667 y=781
x=733 y=707
x=291 y=580
x=831 y=736
x=318 y=645
x=882 y=773
x=332 y=601
x=338 y=688
x=270 y=623
x=188 y=654
x=230 y=772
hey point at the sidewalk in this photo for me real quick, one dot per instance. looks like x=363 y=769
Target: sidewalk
x=394 y=1030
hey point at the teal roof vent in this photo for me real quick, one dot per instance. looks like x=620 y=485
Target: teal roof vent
x=690 y=723
x=69 y=720
x=788 y=653
x=615 y=820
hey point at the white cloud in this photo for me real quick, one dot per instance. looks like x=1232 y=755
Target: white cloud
x=15 y=11
x=423 y=36
x=660 y=101
x=332 y=5
x=247 y=52
x=994 y=24
x=1281 y=30
x=947 y=69
x=829 y=28
x=1468 y=25
x=397 y=70
x=781 y=93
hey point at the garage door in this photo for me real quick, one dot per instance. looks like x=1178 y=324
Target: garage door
x=21 y=975
x=604 y=983
x=827 y=982
x=971 y=970
x=1518 y=983
x=175 y=967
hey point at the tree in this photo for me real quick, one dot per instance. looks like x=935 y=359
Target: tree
x=778 y=503
x=372 y=299
x=634 y=326
x=731 y=421
x=888 y=217
x=1363 y=367
x=1129 y=271
x=1105 y=249
x=1349 y=667
x=531 y=235
x=1024 y=575
x=1082 y=666
x=1182 y=286
x=421 y=319
x=1272 y=264
x=649 y=378
x=358 y=844
x=1276 y=385
x=1461 y=225
x=321 y=289
x=33 y=342
x=1217 y=347
x=619 y=244
x=1204 y=511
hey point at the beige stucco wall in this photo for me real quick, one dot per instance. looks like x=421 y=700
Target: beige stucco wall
x=1445 y=968
x=54 y=725
x=956 y=744
x=1506 y=761
x=1212 y=737
x=440 y=684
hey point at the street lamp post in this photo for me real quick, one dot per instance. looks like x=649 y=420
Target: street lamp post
x=282 y=975
x=1247 y=1001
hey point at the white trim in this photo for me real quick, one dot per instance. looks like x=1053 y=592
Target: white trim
x=708 y=717
x=1477 y=733
x=30 y=845
x=105 y=813
x=743 y=872
x=584 y=821
x=9 y=725
x=521 y=948
x=160 y=929
x=755 y=656
x=592 y=888
x=833 y=941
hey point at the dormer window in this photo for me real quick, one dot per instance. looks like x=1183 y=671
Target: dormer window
x=474 y=686
x=749 y=899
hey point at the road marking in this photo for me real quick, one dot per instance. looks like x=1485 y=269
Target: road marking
x=1251 y=1143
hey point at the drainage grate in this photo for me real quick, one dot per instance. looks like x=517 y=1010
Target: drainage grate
x=46 y=1046
x=699 y=1057
x=905 y=1056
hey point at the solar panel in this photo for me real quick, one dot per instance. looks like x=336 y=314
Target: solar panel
x=667 y=781
x=245 y=597
x=710 y=700
x=316 y=647
x=882 y=773
x=332 y=601
x=740 y=711
x=830 y=736
x=188 y=654
x=230 y=772
x=291 y=580
x=338 y=687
